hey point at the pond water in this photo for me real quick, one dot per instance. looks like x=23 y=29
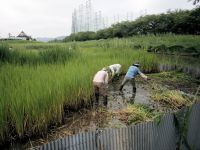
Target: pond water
x=118 y=100
x=181 y=63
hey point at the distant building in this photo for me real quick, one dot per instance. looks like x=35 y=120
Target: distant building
x=21 y=36
x=24 y=36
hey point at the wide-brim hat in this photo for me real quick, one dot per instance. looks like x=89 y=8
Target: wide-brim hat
x=136 y=64
x=104 y=69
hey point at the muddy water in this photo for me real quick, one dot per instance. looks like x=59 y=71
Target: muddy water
x=142 y=95
x=117 y=100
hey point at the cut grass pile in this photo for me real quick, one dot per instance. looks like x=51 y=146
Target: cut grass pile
x=135 y=114
x=173 y=89
x=171 y=98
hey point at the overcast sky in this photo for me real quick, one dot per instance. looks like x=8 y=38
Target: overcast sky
x=52 y=18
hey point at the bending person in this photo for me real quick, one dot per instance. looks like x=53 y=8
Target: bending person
x=100 y=83
x=113 y=70
x=132 y=72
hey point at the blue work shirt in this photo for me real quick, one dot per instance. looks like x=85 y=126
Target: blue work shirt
x=132 y=72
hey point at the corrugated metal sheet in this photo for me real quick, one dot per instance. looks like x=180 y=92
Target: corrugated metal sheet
x=145 y=136
x=193 y=132
x=192 y=70
x=165 y=135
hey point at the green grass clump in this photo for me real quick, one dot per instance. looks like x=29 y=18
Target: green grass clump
x=174 y=49
x=48 y=54
x=174 y=77
x=5 y=54
x=56 y=55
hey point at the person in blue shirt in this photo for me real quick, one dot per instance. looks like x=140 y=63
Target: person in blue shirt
x=132 y=72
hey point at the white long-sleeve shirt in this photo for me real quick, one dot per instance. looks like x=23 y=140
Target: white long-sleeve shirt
x=115 y=68
x=101 y=77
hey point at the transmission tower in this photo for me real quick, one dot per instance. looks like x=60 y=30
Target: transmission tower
x=85 y=18
x=74 y=22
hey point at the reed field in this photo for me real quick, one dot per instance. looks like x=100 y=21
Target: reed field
x=40 y=81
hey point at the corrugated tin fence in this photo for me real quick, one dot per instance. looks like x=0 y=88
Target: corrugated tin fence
x=190 y=69
x=173 y=131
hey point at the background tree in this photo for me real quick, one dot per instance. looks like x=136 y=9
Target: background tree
x=195 y=1
x=177 y=22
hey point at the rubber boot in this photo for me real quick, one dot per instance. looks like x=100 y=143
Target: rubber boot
x=105 y=102
x=96 y=99
x=132 y=100
x=134 y=90
x=121 y=87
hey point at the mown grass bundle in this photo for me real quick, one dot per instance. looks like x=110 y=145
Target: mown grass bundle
x=170 y=98
x=135 y=114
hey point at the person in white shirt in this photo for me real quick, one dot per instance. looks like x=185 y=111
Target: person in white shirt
x=113 y=70
x=100 y=83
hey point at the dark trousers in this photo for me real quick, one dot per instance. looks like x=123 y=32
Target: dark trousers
x=132 y=81
x=100 y=89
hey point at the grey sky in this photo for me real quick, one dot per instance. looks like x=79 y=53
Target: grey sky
x=51 y=18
